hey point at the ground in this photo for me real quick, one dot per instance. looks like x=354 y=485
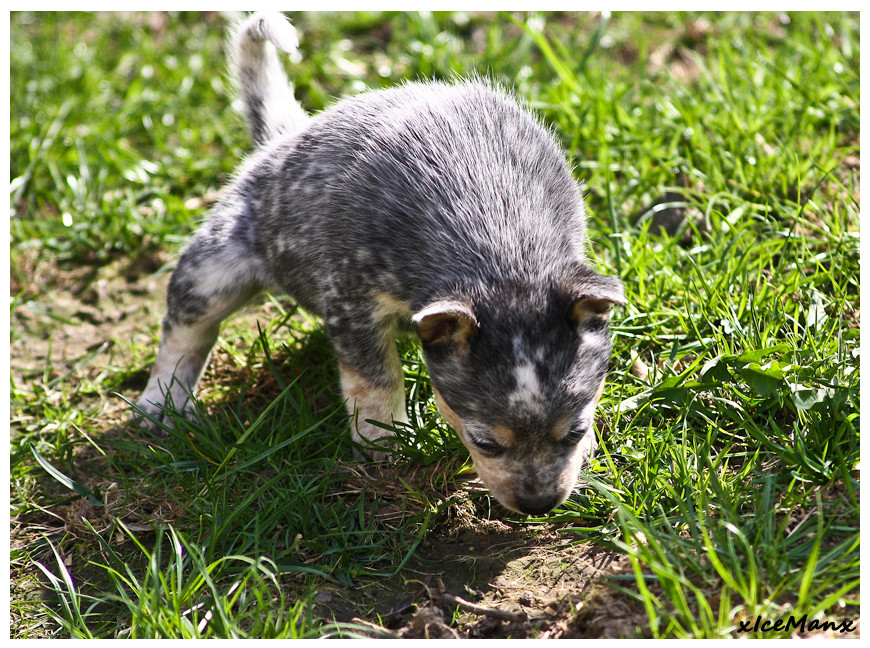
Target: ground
x=527 y=580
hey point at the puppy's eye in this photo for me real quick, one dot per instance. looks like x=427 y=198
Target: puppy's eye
x=487 y=447
x=573 y=437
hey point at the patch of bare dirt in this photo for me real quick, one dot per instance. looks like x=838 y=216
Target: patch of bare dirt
x=499 y=581
x=477 y=575
x=68 y=318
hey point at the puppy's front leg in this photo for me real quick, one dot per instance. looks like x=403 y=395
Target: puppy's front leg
x=371 y=378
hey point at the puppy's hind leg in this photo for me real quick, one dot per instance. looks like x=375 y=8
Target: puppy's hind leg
x=214 y=277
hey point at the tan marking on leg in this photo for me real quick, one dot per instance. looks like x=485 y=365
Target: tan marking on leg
x=367 y=402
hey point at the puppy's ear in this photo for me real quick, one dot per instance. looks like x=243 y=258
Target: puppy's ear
x=593 y=296
x=445 y=321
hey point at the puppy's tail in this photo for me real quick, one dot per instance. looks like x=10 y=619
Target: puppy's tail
x=270 y=107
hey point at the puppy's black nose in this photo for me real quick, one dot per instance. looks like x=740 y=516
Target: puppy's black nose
x=537 y=505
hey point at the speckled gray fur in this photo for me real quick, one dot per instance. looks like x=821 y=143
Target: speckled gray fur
x=391 y=202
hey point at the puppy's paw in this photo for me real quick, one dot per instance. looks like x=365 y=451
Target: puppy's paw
x=366 y=454
x=150 y=417
x=372 y=437
x=151 y=413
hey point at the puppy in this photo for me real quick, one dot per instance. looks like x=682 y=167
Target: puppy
x=444 y=208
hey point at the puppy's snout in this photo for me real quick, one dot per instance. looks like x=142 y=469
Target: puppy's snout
x=534 y=497
x=537 y=504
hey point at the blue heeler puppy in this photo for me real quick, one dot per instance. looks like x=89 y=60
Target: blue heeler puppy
x=445 y=207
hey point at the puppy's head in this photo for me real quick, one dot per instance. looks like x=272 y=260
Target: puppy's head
x=518 y=373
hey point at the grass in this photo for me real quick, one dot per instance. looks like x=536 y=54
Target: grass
x=728 y=464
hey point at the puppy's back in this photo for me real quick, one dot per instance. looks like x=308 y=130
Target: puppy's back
x=432 y=183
